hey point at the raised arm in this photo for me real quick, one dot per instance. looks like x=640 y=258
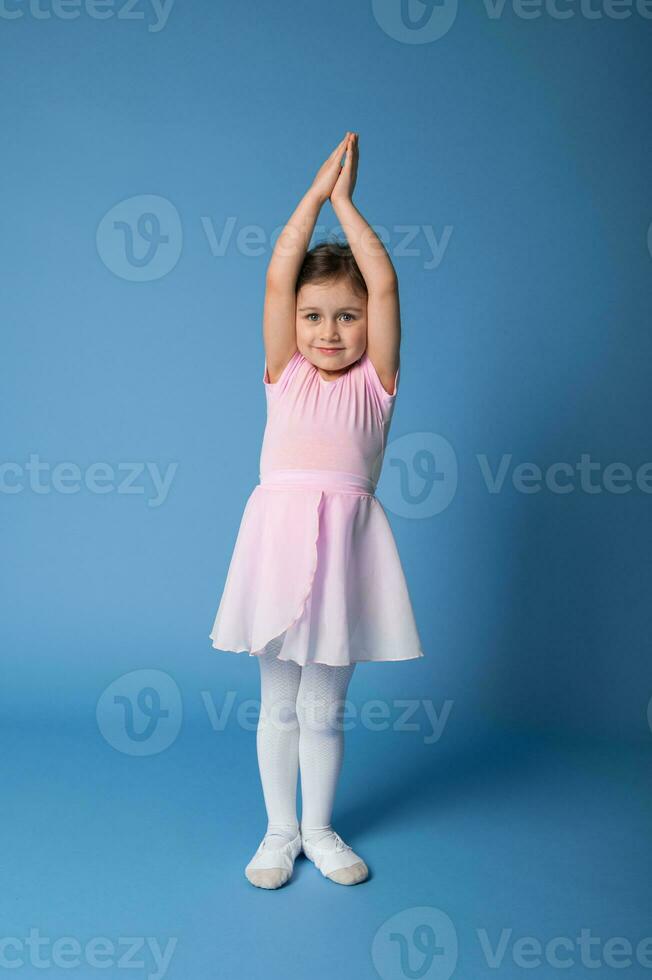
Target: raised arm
x=279 y=316
x=383 y=309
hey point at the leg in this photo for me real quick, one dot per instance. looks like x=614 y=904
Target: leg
x=277 y=746
x=320 y=704
x=277 y=740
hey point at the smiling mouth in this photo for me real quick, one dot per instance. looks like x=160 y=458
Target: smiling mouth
x=330 y=348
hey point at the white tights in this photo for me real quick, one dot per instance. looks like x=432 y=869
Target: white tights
x=300 y=729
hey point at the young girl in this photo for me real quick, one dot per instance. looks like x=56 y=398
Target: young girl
x=315 y=582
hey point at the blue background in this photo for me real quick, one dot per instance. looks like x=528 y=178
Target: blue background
x=529 y=140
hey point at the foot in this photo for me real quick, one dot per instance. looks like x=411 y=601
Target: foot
x=273 y=863
x=335 y=859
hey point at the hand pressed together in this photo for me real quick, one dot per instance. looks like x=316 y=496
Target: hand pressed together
x=334 y=179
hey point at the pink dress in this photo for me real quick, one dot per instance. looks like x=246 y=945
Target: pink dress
x=315 y=559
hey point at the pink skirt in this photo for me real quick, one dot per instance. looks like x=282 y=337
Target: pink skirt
x=315 y=560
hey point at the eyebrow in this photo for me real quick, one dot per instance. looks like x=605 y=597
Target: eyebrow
x=342 y=309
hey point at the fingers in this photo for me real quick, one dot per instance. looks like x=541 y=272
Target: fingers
x=354 y=157
x=350 y=142
x=340 y=146
x=351 y=152
x=354 y=143
x=347 y=171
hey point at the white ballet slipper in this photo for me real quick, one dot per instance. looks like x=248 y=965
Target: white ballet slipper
x=335 y=859
x=271 y=866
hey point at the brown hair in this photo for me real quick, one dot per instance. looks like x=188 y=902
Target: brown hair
x=331 y=260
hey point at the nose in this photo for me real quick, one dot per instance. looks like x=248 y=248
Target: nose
x=330 y=331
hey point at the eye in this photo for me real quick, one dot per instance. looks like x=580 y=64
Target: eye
x=350 y=315
x=309 y=315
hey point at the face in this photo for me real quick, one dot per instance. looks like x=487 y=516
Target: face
x=331 y=324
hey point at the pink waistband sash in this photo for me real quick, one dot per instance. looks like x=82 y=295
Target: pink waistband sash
x=336 y=480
